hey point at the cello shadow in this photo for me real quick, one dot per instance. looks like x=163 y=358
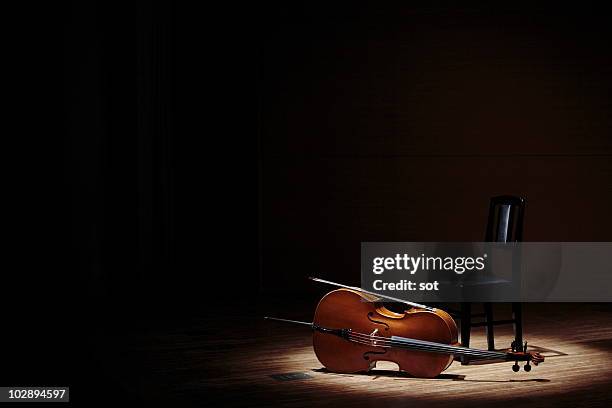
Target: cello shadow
x=506 y=381
x=396 y=374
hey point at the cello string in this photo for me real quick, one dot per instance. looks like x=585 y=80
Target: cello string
x=448 y=349
x=418 y=345
x=443 y=349
x=429 y=349
x=429 y=343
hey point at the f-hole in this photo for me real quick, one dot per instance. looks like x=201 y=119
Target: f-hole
x=376 y=321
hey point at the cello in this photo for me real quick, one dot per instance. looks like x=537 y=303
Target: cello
x=352 y=330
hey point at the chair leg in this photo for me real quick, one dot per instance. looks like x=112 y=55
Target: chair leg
x=488 y=309
x=517 y=316
x=466 y=326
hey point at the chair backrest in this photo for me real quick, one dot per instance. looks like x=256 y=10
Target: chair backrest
x=505 y=222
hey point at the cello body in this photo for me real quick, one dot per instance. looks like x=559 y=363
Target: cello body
x=365 y=314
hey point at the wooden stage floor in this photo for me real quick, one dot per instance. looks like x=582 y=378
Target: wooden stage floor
x=243 y=361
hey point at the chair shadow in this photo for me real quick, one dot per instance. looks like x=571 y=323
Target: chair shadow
x=396 y=374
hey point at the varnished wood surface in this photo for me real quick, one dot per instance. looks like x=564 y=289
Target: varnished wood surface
x=340 y=356
x=229 y=361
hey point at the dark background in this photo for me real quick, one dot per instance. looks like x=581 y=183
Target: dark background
x=324 y=127
x=214 y=155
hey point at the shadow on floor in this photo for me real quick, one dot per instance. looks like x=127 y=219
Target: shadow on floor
x=402 y=374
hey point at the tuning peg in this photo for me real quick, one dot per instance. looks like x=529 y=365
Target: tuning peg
x=527 y=367
x=516 y=367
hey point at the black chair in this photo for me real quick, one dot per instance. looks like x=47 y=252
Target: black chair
x=504 y=224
